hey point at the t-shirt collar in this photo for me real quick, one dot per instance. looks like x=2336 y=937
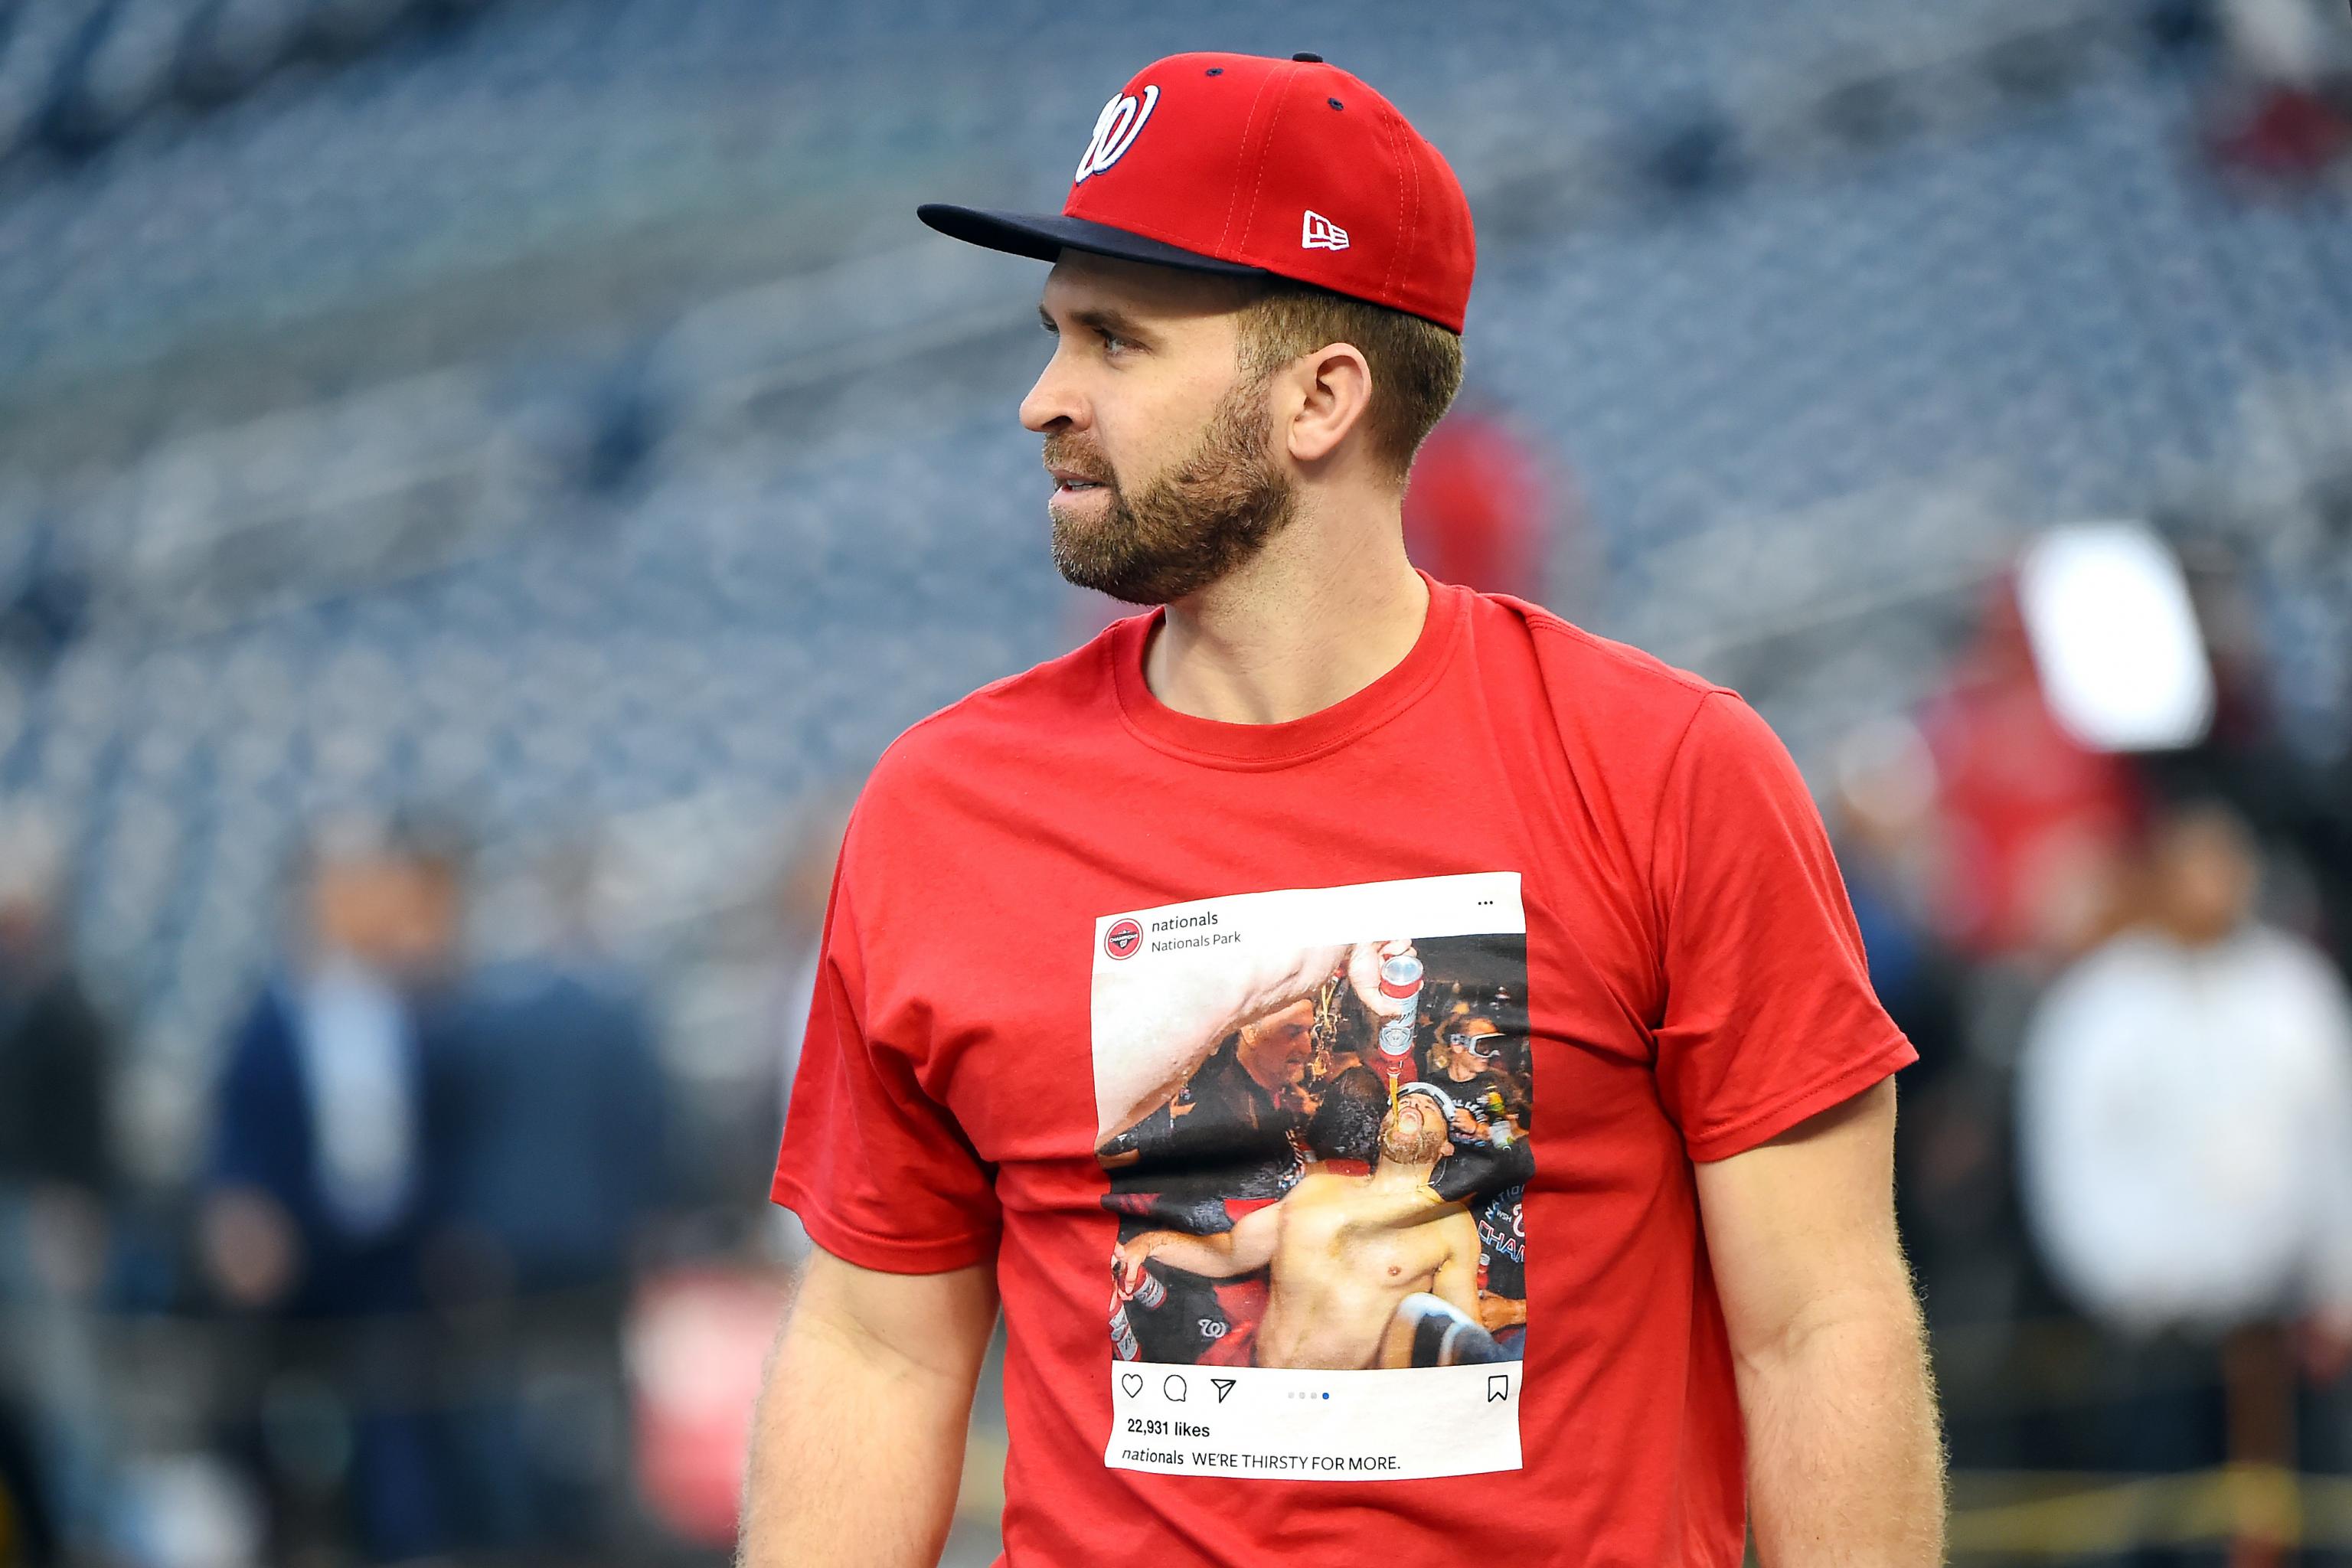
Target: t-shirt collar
x=1216 y=743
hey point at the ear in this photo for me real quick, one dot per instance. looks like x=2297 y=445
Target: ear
x=1333 y=386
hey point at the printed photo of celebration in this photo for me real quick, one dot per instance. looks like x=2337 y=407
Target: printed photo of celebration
x=1339 y=1184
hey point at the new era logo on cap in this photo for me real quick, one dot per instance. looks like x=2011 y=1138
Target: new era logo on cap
x=1320 y=232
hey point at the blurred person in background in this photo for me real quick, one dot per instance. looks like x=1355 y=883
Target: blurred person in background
x=547 y=1124
x=2285 y=112
x=2289 y=774
x=2033 y=822
x=1478 y=508
x=58 y=1182
x=2184 y=1112
x=312 y=1201
x=1881 y=816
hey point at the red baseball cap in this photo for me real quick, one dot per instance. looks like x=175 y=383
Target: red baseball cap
x=1249 y=167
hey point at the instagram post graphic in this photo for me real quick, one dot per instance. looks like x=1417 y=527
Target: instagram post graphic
x=1315 y=1113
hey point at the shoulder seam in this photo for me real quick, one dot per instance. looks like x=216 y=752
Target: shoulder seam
x=1545 y=620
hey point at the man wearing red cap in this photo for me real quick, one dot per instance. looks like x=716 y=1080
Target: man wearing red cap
x=1312 y=772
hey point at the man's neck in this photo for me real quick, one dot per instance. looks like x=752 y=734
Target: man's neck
x=1291 y=633
x=1388 y=1176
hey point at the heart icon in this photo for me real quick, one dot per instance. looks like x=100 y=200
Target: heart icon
x=1131 y=1382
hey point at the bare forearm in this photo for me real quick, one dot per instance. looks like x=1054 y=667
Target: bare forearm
x=856 y=1454
x=1844 y=1456
x=1211 y=1256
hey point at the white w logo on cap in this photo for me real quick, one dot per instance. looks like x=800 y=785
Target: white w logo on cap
x=1320 y=232
x=1116 y=129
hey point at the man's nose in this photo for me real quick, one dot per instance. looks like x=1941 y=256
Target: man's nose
x=1053 y=404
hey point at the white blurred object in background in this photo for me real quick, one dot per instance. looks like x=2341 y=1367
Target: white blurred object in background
x=2114 y=637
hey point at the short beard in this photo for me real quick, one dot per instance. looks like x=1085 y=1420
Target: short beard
x=1399 y=1148
x=1191 y=527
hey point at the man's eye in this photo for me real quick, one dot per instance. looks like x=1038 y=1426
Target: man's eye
x=1113 y=342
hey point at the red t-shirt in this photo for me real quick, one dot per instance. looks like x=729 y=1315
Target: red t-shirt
x=1100 y=973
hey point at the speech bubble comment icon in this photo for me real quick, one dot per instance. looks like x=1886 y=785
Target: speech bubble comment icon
x=1130 y=1383
x=1174 y=1389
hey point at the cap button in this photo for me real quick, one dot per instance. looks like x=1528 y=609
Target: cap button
x=1310 y=60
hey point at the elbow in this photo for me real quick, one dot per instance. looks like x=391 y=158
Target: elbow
x=1866 y=1324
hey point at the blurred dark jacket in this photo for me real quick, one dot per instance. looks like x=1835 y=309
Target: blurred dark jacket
x=547 y=1118
x=54 y=1059
x=265 y=1136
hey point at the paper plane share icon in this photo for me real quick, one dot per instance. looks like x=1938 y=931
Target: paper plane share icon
x=1223 y=1385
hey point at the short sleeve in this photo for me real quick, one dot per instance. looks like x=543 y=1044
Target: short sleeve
x=878 y=1170
x=1768 y=1014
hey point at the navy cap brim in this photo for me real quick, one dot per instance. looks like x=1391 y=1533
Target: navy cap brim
x=1045 y=236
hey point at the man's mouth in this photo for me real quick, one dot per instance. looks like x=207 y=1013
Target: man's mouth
x=1068 y=482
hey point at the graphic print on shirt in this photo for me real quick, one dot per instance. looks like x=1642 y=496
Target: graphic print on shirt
x=1313 y=1111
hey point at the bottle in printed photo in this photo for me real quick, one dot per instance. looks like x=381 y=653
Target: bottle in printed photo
x=1401 y=981
x=1149 y=1290
x=1122 y=1332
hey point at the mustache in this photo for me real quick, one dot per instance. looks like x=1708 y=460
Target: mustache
x=1062 y=452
